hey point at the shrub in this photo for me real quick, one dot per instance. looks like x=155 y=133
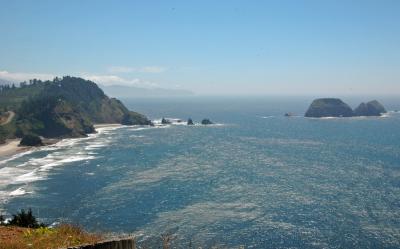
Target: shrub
x=25 y=219
x=2 y=219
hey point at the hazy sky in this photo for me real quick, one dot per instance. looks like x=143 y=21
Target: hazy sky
x=209 y=47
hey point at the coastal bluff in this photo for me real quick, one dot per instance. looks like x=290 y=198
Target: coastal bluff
x=334 y=107
x=62 y=108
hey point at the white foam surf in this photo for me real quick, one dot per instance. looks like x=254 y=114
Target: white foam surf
x=16 y=156
x=18 y=192
x=21 y=171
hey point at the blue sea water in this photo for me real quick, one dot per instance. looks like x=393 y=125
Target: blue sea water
x=257 y=178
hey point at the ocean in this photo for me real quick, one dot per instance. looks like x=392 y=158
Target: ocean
x=254 y=178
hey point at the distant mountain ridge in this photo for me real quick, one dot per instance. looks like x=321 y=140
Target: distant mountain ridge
x=131 y=91
x=64 y=107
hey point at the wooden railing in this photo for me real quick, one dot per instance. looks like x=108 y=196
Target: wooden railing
x=112 y=244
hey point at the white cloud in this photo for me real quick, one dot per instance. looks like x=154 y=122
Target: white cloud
x=120 y=69
x=147 y=69
x=102 y=79
x=153 y=69
x=109 y=80
x=19 y=77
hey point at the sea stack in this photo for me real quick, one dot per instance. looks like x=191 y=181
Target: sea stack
x=206 y=121
x=165 y=121
x=31 y=140
x=329 y=107
x=372 y=108
x=190 y=122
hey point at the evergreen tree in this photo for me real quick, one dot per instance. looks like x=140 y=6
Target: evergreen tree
x=24 y=219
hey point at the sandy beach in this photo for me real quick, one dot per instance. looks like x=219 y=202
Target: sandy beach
x=11 y=147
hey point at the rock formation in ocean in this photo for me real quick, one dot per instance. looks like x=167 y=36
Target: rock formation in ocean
x=31 y=140
x=190 y=122
x=329 y=107
x=165 y=121
x=206 y=121
x=372 y=108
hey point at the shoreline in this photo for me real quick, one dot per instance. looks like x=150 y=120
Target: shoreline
x=106 y=125
x=11 y=147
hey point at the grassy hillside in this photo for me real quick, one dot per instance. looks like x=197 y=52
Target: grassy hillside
x=42 y=238
x=66 y=107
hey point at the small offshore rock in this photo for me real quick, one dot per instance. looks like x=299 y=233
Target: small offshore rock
x=165 y=121
x=206 y=121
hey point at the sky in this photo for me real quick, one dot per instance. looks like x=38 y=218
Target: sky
x=210 y=47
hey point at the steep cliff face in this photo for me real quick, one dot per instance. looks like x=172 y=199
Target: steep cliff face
x=372 y=108
x=329 y=107
x=91 y=101
x=51 y=117
x=66 y=107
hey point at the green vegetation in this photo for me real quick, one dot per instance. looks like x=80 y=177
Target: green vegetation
x=7 y=131
x=66 y=107
x=25 y=219
x=62 y=236
x=11 y=96
x=3 y=135
x=24 y=231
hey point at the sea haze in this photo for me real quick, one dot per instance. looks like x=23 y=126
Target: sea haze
x=256 y=178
